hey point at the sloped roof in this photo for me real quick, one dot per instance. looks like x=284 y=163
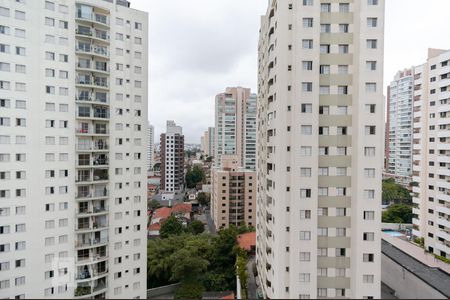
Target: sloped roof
x=247 y=240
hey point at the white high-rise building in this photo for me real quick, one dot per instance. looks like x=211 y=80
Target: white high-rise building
x=235 y=127
x=73 y=118
x=400 y=119
x=431 y=152
x=150 y=147
x=320 y=147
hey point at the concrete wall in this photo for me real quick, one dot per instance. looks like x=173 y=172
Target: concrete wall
x=406 y=284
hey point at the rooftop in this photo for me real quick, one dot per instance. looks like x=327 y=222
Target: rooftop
x=432 y=276
x=247 y=240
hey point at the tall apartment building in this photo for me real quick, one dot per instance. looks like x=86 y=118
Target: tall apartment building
x=150 y=147
x=172 y=158
x=320 y=145
x=234 y=194
x=431 y=152
x=235 y=126
x=73 y=113
x=399 y=124
x=208 y=142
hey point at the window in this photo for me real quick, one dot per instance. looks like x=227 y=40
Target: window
x=370 y=108
x=325 y=69
x=324 y=90
x=306 y=129
x=305 y=235
x=324 y=130
x=369 y=215
x=344 y=7
x=323 y=150
x=307 y=65
x=369 y=151
x=50 y=22
x=323 y=171
x=305 y=151
x=342 y=69
x=4 y=11
x=20 y=51
x=305 y=277
x=325 y=7
x=371 y=44
x=368 y=278
x=305 y=214
x=372 y=22
x=342 y=90
x=323 y=191
x=307 y=22
x=308 y=2
x=371 y=87
x=325 y=28
x=341 y=171
x=305 y=172
x=324 y=49
x=341 y=232
x=324 y=110
x=368 y=257
x=341 y=191
x=4 y=29
x=372 y=2
x=21 y=69
x=307 y=44
x=370 y=130
x=19 y=15
x=369 y=173
x=343 y=28
x=369 y=194
x=368 y=236
x=4 y=48
x=322 y=231
x=343 y=49
x=321 y=292
x=307 y=108
x=305 y=193
x=307 y=87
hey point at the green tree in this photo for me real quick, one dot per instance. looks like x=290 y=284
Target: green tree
x=196 y=227
x=194 y=176
x=171 y=227
x=395 y=193
x=203 y=199
x=241 y=271
x=398 y=213
x=154 y=204
x=189 y=290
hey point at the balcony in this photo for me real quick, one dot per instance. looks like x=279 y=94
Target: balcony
x=90 y=49
x=93 y=66
x=96 y=34
x=89 y=242
x=91 y=289
x=92 y=18
x=94 y=82
x=88 y=194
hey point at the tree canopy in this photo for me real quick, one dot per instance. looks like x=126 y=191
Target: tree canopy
x=196 y=227
x=398 y=213
x=395 y=193
x=203 y=199
x=172 y=226
x=194 y=176
x=199 y=262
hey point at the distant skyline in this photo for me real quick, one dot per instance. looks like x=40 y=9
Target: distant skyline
x=197 y=48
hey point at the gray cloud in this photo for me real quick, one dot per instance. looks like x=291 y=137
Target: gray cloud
x=199 y=47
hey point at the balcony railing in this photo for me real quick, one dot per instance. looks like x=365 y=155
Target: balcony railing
x=102 y=51
x=90 y=242
x=93 y=17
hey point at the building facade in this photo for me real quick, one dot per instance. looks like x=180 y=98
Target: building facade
x=234 y=194
x=73 y=112
x=431 y=152
x=400 y=124
x=235 y=126
x=207 y=143
x=150 y=147
x=172 y=158
x=320 y=146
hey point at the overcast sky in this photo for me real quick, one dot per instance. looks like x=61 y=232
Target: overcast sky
x=199 y=47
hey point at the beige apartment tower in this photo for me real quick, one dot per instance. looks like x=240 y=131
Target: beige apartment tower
x=320 y=146
x=234 y=194
x=431 y=152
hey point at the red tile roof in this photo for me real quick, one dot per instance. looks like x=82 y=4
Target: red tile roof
x=182 y=208
x=163 y=212
x=247 y=240
x=154 y=227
